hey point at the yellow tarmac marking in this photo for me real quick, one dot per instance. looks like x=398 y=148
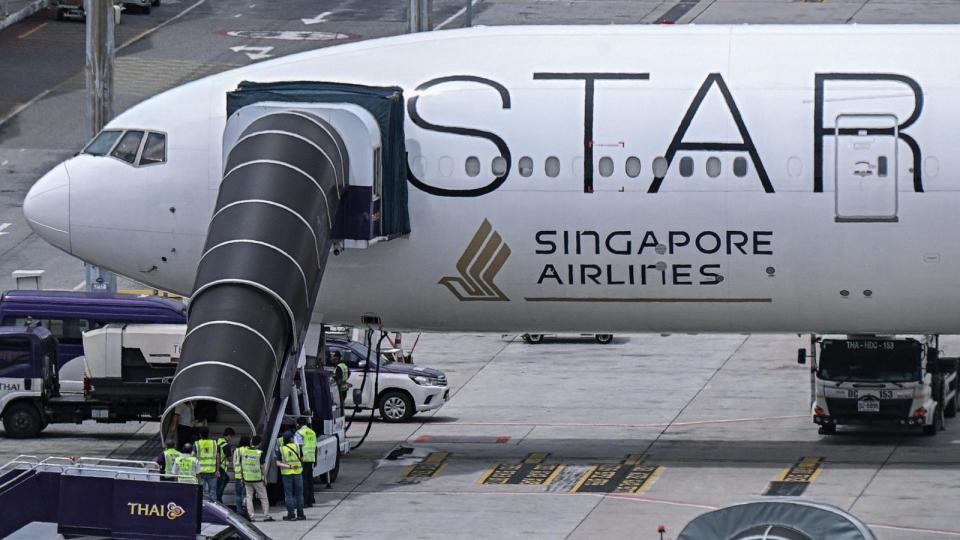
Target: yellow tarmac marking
x=634 y=459
x=536 y=457
x=32 y=30
x=576 y=487
x=428 y=468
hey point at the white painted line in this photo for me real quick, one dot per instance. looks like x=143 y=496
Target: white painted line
x=942 y=532
x=146 y=33
x=254 y=53
x=127 y=43
x=4 y=227
x=455 y=15
x=20 y=109
x=318 y=19
x=288 y=35
x=4 y=164
x=695 y=11
x=238 y=15
x=79 y=286
x=660 y=425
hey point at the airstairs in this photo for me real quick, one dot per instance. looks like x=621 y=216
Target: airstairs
x=306 y=165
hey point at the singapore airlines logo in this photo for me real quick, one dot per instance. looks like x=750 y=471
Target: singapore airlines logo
x=478 y=266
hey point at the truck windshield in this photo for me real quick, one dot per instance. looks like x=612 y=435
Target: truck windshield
x=871 y=360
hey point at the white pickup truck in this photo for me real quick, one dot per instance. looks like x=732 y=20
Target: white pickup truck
x=404 y=389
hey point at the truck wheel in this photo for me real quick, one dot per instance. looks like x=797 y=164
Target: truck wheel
x=59 y=14
x=21 y=421
x=937 y=424
x=396 y=406
x=951 y=408
x=335 y=471
x=603 y=339
x=533 y=338
x=828 y=430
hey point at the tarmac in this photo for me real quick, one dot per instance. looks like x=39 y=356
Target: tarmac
x=567 y=439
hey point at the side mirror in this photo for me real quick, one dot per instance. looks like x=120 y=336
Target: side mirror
x=357 y=396
x=362 y=364
x=933 y=356
x=801 y=356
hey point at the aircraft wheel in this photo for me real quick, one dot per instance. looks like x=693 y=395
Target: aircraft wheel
x=603 y=339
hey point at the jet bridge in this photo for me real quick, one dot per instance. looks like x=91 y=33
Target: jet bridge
x=305 y=165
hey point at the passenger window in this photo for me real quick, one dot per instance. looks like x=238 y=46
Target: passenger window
x=65 y=330
x=552 y=167
x=660 y=167
x=472 y=166
x=14 y=357
x=740 y=167
x=128 y=146
x=499 y=166
x=633 y=167
x=155 y=149
x=713 y=167
x=686 y=167
x=606 y=166
x=526 y=166
x=102 y=143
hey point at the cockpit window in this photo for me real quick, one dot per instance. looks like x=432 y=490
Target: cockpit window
x=155 y=149
x=128 y=146
x=103 y=143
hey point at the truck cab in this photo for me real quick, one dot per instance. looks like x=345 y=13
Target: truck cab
x=882 y=380
x=28 y=376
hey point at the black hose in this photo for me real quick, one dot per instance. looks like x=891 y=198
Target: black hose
x=376 y=386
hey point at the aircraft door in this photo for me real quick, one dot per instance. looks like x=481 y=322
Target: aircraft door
x=865 y=167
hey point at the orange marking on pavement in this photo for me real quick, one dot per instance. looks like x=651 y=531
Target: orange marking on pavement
x=32 y=30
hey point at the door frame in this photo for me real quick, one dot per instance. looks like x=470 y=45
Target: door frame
x=895 y=134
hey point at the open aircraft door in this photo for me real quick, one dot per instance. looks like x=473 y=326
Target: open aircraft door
x=865 y=167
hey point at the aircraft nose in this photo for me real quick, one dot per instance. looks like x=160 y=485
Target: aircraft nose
x=47 y=207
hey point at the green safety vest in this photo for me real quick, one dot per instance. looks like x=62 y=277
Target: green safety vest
x=250 y=457
x=309 y=444
x=222 y=450
x=170 y=456
x=237 y=453
x=207 y=454
x=290 y=455
x=186 y=462
x=345 y=371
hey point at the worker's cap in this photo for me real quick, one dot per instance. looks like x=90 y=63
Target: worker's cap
x=287 y=436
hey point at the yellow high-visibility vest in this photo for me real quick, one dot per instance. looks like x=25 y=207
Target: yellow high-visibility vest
x=207 y=454
x=170 y=456
x=250 y=457
x=309 y=444
x=186 y=462
x=290 y=455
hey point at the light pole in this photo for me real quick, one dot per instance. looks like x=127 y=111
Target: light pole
x=99 y=75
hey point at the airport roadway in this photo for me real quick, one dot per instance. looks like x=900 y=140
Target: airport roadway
x=559 y=440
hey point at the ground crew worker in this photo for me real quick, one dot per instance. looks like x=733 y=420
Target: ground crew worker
x=209 y=463
x=224 y=452
x=187 y=466
x=251 y=471
x=168 y=459
x=309 y=446
x=341 y=375
x=236 y=457
x=290 y=463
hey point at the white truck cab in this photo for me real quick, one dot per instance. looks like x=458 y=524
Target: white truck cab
x=881 y=380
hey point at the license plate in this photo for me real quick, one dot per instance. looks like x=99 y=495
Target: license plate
x=868 y=405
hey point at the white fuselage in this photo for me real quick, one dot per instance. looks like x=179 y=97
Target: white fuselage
x=752 y=227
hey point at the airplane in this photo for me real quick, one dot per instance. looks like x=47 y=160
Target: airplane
x=594 y=178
